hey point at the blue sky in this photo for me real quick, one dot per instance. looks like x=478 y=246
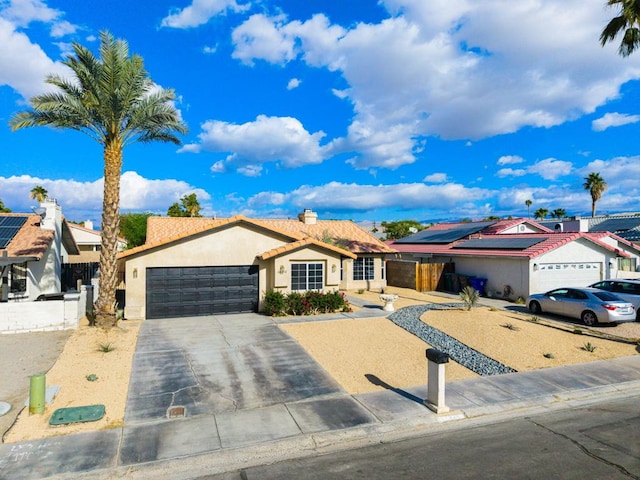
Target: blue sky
x=363 y=110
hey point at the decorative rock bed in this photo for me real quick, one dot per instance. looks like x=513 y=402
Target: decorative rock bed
x=409 y=319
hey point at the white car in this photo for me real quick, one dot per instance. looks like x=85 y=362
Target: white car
x=587 y=304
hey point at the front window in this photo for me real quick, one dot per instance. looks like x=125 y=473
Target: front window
x=18 y=278
x=363 y=269
x=307 y=276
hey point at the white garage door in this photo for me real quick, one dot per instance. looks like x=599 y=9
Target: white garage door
x=555 y=275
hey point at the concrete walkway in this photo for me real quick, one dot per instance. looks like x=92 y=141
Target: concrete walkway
x=251 y=395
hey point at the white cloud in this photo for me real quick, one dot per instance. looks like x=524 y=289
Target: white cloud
x=209 y=50
x=451 y=68
x=23 y=65
x=336 y=196
x=551 y=169
x=200 y=12
x=510 y=172
x=263 y=38
x=282 y=140
x=23 y=12
x=83 y=199
x=613 y=120
x=63 y=28
x=436 y=178
x=510 y=160
x=293 y=83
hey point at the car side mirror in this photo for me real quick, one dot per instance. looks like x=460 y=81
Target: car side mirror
x=551 y=297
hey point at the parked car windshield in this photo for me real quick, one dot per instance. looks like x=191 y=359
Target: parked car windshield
x=608 y=297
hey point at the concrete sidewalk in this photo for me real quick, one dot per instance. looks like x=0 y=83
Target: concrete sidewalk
x=297 y=423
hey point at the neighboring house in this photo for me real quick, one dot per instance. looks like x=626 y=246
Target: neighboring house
x=200 y=266
x=89 y=243
x=517 y=264
x=625 y=225
x=32 y=250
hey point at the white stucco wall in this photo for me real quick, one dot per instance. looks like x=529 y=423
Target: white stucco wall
x=24 y=317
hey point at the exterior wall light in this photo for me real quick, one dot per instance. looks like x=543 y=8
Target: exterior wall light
x=282 y=270
x=135 y=273
x=535 y=267
x=333 y=268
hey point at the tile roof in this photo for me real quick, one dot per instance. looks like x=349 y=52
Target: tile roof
x=551 y=242
x=290 y=247
x=31 y=240
x=336 y=234
x=342 y=233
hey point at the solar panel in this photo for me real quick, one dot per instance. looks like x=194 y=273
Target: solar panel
x=501 y=243
x=9 y=226
x=617 y=224
x=445 y=236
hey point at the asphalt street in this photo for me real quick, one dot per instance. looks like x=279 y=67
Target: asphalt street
x=597 y=441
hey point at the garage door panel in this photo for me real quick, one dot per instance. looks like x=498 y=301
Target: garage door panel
x=579 y=274
x=190 y=291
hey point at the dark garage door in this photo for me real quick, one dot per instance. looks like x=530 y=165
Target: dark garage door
x=193 y=291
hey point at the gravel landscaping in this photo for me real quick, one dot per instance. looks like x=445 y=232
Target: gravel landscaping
x=409 y=319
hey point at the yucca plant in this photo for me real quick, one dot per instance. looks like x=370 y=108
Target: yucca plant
x=469 y=297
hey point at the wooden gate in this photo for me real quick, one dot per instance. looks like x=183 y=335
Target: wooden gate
x=423 y=277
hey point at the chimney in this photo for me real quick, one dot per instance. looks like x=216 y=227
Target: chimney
x=308 y=217
x=88 y=224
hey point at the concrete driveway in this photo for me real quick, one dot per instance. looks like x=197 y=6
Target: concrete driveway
x=215 y=364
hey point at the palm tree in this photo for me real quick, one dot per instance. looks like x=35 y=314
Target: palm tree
x=113 y=100
x=528 y=203
x=39 y=193
x=541 y=213
x=596 y=186
x=559 y=213
x=627 y=20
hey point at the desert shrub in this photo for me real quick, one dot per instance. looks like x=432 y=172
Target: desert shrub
x=510 y=326
x=106 y=347
x=549 y=355
x=275 y=303
x=304 y=303
x=296 y=305
x=469 y=297
x=589 y=347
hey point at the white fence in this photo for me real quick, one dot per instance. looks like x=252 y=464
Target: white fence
x=24 y=317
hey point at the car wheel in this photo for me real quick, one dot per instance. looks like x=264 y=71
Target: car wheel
x=534 y=307
x=589 y=318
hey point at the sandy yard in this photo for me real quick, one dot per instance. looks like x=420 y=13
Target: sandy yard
x=352 y=350
x=82 y=356
x=363 y=355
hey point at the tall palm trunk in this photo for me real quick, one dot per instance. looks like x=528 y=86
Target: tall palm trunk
x=110 y=228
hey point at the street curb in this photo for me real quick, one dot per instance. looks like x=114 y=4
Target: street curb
x=306 y=445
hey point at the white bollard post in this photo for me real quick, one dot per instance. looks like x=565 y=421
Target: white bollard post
x=436 y=361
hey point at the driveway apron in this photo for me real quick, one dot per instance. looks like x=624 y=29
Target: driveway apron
x=216 y=364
